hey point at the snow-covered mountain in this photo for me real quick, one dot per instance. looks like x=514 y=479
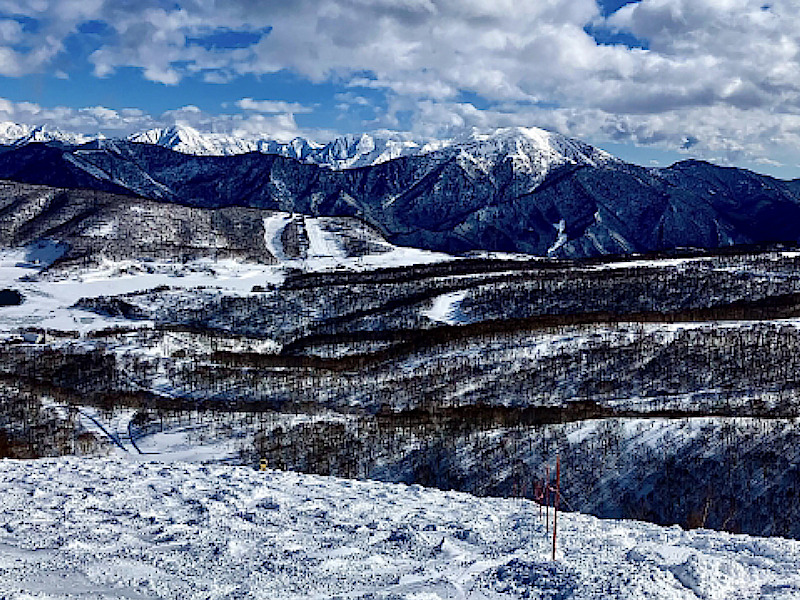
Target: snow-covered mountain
x=532 y=150
x=344 y=152
x=15 y=134
x=509 y=190
x=352 y=151
x=144 y=291
x=190 y=141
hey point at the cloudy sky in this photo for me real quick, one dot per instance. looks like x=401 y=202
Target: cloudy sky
x=652 y=81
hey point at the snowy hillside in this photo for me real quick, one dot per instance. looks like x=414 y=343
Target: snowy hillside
x=130 y=246
x=120 y=529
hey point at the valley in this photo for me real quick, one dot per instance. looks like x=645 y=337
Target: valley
x=667 y=384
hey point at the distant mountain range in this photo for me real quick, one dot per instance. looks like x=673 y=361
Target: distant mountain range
x=17 y=134
x=515 y=189
x=345 y=152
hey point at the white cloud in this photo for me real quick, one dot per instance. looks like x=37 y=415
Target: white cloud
x=272 y=106
x=349 y=101
x=10 y=32
x=122 y=122
x=9 y=62
x=726 y=72
x=277 y=126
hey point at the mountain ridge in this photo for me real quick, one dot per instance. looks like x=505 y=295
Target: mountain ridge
x=343 y=152
x=514 y=190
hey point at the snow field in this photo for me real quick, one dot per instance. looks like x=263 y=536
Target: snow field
x=561 y=237
x=113 y=528
x=273 y=228
x=321 y=243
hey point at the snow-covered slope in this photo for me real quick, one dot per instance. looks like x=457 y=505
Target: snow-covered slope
x=117 y=529
x=114 y=244
x=11 y=132
x=320 y=243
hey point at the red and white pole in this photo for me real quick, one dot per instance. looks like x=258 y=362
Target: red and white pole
x=555 y=502
x=547 y=500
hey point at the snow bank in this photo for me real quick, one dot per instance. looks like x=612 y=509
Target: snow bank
x=119 y=529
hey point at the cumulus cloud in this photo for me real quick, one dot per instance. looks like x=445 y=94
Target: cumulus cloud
x=80 y=120
x=280 y=126
x=723 y=72
x=396 y=42
x=349 y=101
x=738 y=52
x=119 y=123
x=10 y=32
x=272 y=106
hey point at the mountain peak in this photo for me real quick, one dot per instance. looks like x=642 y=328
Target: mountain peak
x=530 y=150
x=173 y=137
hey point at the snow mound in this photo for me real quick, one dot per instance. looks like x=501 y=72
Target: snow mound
x=710 y=577
x=116 y=528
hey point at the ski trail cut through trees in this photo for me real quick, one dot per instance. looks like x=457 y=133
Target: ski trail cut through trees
x=273 y=229
x=321 y=243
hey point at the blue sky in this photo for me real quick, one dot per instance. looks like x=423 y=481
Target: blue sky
x=652 y=81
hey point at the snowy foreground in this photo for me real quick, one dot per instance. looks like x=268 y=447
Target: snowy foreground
x=114 y=528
